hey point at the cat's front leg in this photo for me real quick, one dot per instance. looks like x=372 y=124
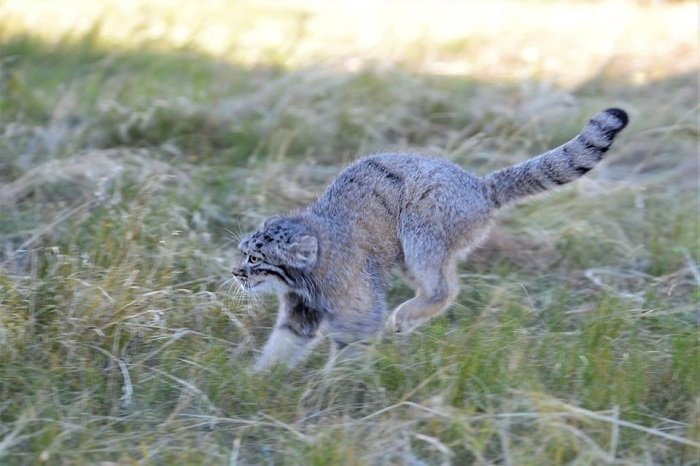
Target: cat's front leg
x=296 y=333
x=284 y=347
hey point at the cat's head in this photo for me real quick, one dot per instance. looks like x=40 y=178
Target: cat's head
x=276 y=256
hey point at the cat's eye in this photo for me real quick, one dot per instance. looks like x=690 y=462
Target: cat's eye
x=253 y=259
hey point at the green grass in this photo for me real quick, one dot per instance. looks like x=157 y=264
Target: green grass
x=124 y=170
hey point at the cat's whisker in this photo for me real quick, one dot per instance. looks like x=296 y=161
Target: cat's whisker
x=235 y=237
x=222 y=283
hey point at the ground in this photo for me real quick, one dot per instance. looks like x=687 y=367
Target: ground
x=138 y=139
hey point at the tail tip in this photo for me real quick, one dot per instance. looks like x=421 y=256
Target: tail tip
x=620 y=115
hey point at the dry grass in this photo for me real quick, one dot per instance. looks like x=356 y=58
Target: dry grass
x=138 y=137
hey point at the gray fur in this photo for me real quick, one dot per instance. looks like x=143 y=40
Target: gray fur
x=331 y=264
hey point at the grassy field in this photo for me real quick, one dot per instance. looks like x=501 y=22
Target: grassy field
x=138 y=138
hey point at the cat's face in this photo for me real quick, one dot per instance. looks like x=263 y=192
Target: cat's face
x=274 y=256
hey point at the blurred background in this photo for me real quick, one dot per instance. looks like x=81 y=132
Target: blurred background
x=139 y=139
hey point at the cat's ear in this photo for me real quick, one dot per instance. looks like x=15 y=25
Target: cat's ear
x=269 y=220
x=304 y=251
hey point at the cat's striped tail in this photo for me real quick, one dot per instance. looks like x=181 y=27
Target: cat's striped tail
x=558 y=166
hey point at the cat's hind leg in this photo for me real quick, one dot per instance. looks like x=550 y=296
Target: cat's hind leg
x=434 y=277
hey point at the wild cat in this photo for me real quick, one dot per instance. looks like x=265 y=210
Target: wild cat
x=331 y=263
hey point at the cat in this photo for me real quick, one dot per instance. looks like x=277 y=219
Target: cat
x=331 y=264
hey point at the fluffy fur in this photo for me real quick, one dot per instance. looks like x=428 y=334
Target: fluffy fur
x=331 y=264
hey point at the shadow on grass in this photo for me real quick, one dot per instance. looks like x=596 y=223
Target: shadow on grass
x=79 y=95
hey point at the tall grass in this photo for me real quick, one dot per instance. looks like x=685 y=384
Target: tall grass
x=139 y=138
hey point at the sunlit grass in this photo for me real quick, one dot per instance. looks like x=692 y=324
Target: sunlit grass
x=562 y=42
x=137 y=139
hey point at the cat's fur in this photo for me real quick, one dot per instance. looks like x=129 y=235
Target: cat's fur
x=331 y=264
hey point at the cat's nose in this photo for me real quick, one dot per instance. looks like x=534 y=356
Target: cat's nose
x=236 y=272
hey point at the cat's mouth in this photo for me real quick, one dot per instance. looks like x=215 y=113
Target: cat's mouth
x=247 y=285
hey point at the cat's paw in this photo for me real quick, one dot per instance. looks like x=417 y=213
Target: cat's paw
x=400 y=324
